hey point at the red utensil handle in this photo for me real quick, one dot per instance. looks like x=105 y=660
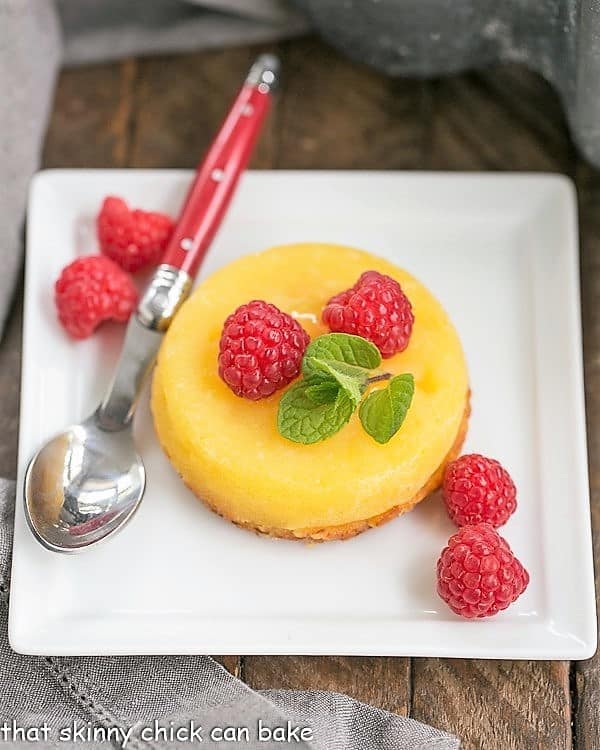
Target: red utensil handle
x=218 y=174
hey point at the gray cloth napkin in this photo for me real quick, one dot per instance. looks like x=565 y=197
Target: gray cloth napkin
x=123 y=697
x=26 y=88
x=126 y=695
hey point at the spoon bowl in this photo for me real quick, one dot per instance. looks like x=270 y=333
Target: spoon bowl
x=83 y=485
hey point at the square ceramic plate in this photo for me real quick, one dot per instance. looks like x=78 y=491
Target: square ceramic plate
x=500 y=252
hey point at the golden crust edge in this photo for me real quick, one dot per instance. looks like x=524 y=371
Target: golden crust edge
x=347 y=530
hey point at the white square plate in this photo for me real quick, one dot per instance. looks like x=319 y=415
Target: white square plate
x=500 y=251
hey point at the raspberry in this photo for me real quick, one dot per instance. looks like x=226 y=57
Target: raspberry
x=261 y=350
x=477 y=573
x=375 y=308
x=477 y=489
x=90 y=290
x=132 y=238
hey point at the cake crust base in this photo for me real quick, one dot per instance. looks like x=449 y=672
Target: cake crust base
x=348 y=530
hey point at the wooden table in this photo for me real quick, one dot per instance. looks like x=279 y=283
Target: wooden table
x=162 y=112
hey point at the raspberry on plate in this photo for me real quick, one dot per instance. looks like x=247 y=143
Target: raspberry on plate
x=90 y=290
x=132 y=238
x=261 y=350
x=375 y=308
x=477 y=573
x=478 y=489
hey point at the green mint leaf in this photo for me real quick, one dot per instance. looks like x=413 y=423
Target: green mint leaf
x=341 y=347
x=322 y=391
x=349 y=377
x=383 y=411
x=303 y=420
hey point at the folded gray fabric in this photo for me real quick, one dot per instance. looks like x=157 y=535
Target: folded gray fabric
x=26 y=88
x=136 y=702
x=112 y=29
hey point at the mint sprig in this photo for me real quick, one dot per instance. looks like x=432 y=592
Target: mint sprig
x=303 y=419
x=383 y=411
x=321 y=391
x=350 y=378
x=341 y=347
x=337 y=369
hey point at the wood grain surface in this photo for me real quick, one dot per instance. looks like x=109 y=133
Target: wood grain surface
x=331 y=113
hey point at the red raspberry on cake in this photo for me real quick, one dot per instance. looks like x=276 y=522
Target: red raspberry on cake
x=375 y=308
x=477 y=489
x=478 y=574
x=261 y=350
x=91 y=290
x=131 y=237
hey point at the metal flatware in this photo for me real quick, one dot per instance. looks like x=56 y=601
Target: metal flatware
x=84 y=484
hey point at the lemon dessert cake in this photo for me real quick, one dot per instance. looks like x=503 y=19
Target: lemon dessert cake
x=311 y=391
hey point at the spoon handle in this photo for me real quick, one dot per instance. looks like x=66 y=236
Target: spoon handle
x=209 y=196
x=203 y=210
x=219 y=172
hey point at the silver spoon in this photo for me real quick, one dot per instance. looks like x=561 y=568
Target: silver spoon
x=87 y=482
